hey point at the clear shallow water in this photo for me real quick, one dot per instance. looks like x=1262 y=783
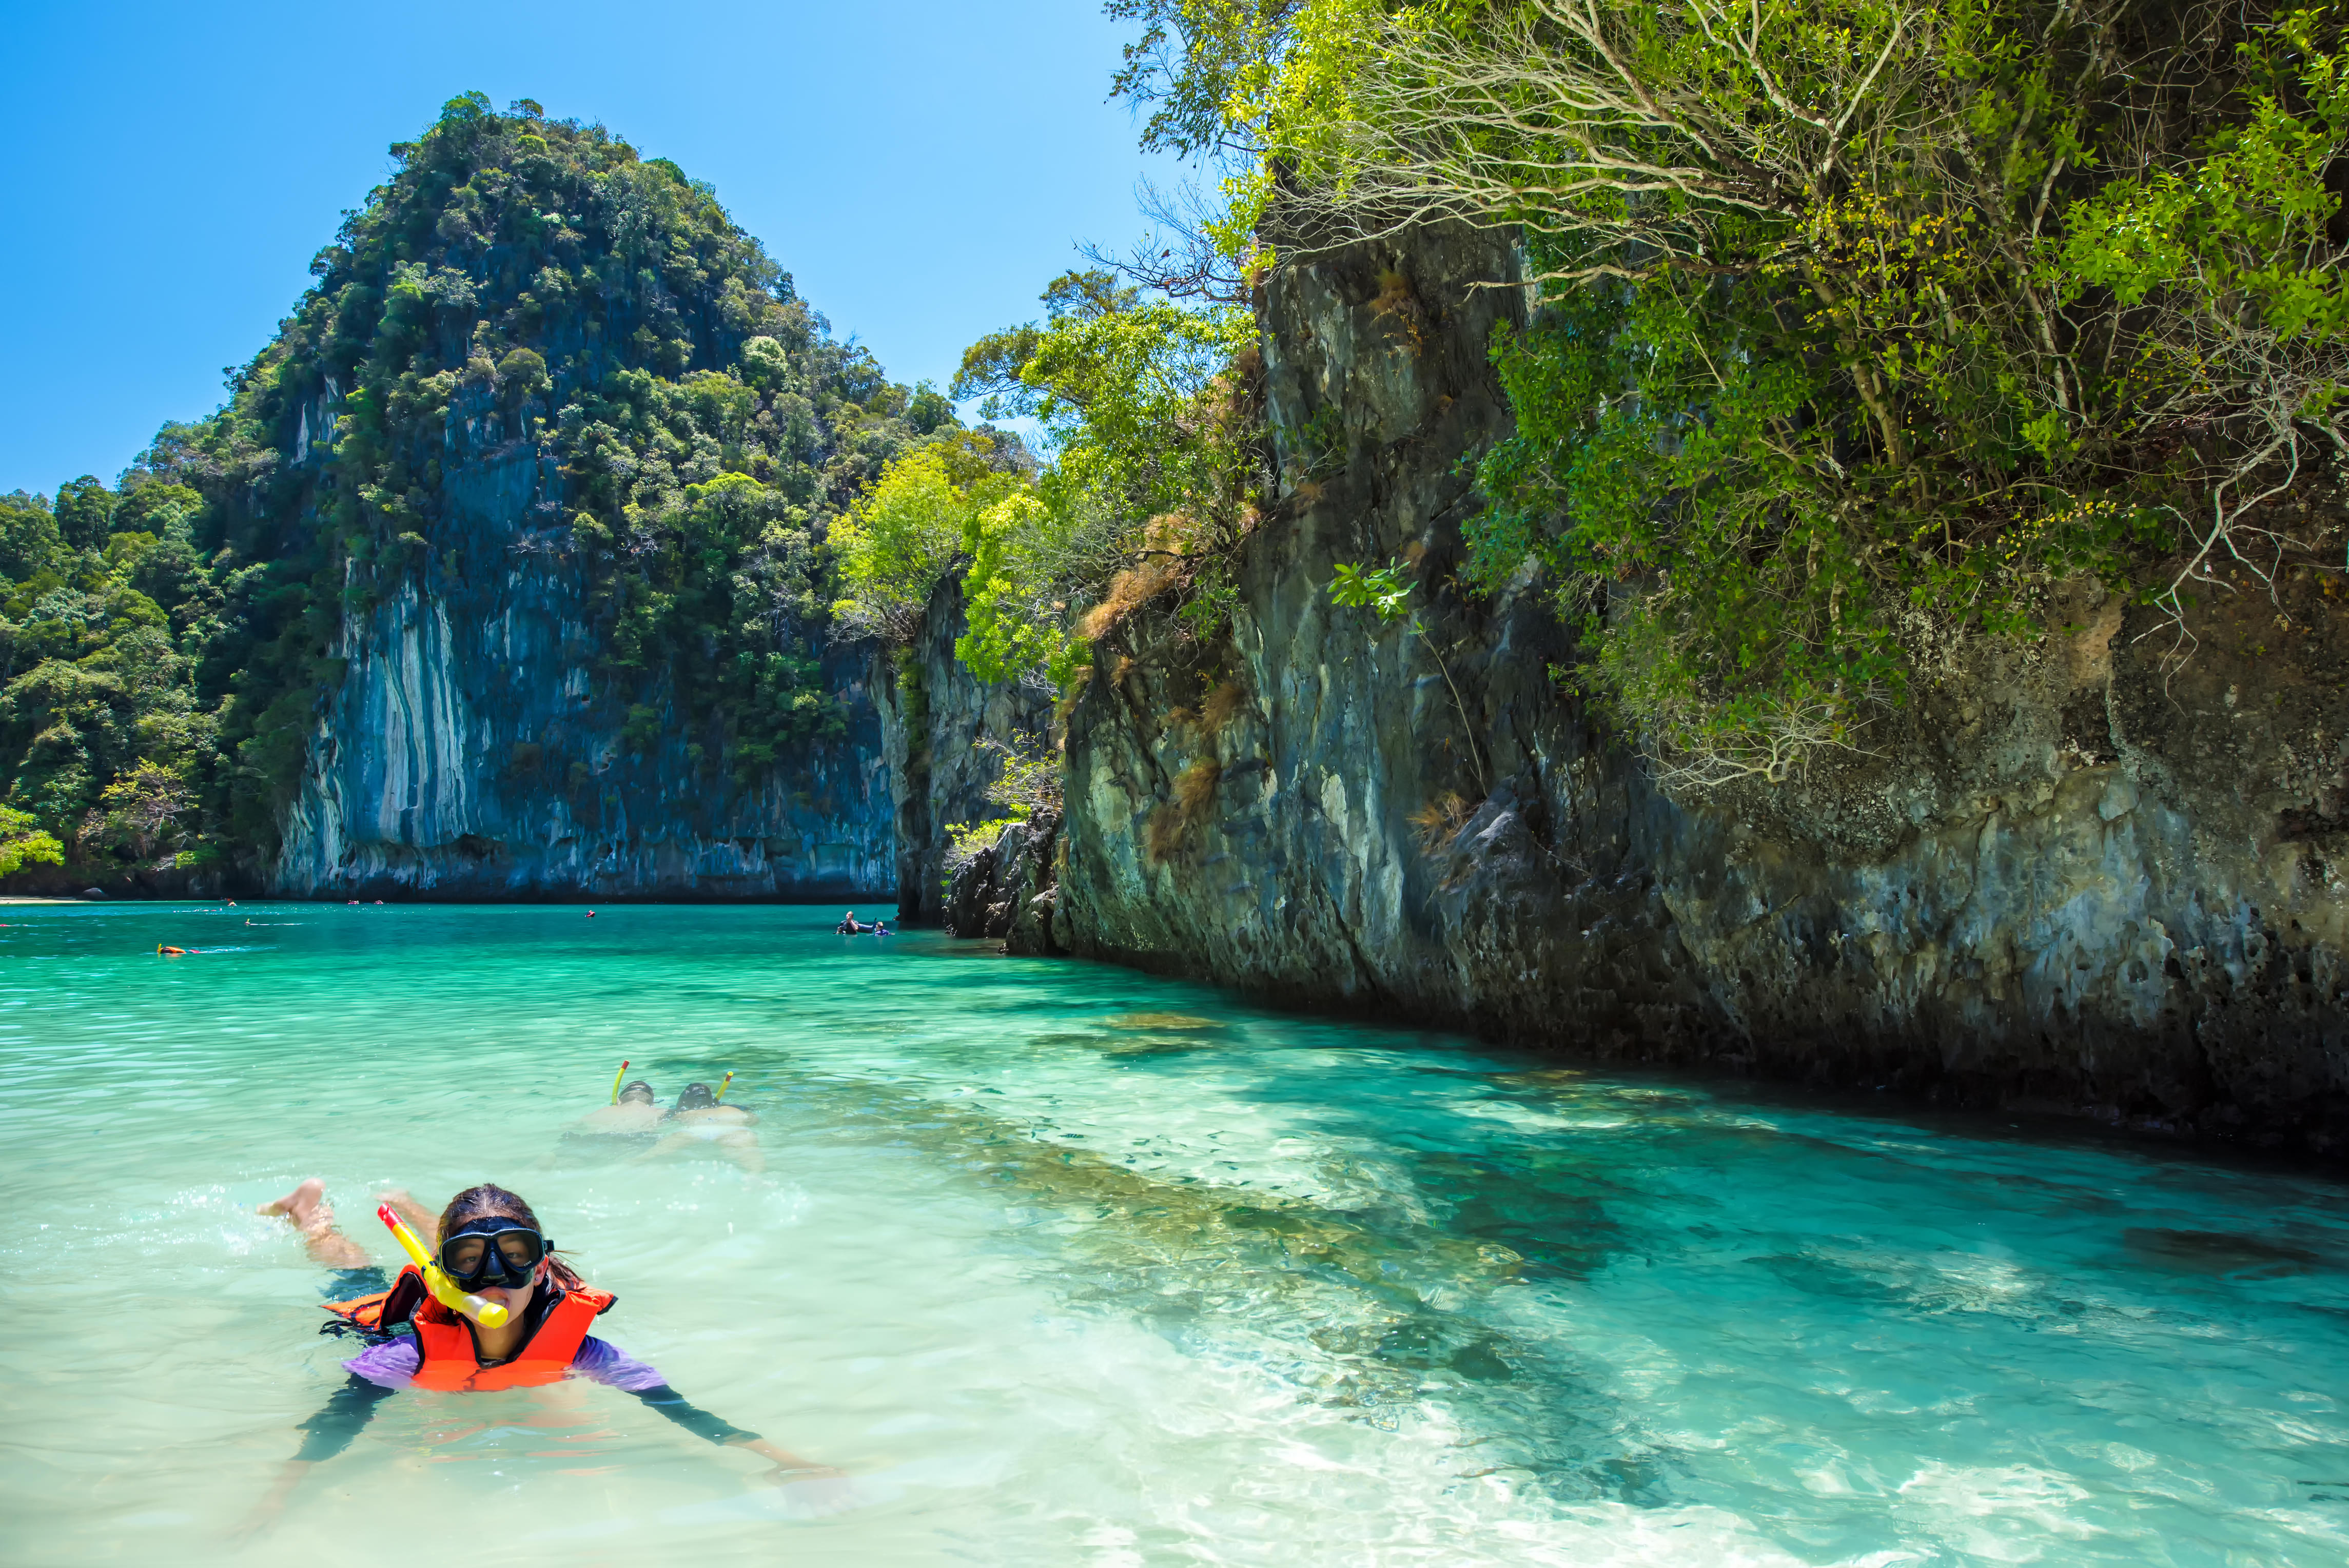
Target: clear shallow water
x=1071 y=1265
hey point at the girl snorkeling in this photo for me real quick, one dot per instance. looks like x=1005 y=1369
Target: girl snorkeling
x=492 y=1246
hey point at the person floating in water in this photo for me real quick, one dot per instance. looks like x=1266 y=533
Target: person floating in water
x=849 y=926
x=700 y=1122
x=491 y=1246
x=635 y=1112
x=634 y=1117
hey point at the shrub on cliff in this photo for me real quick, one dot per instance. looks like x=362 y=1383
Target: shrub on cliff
x=23 y=844
x=1155 y=464
x=902 y=534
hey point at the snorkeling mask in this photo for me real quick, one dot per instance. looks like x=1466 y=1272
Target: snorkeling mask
x=491 y=1252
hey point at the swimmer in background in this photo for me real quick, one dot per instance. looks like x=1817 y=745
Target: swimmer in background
x=699 y=1121
x=849 y=926
x=634 y=1114
x=635 y=1118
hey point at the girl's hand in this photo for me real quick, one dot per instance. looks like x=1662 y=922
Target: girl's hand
x=819 y=1489
x=257 y=1523
x=266 y=1513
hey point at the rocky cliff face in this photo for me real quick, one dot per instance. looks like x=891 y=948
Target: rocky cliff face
x=2079 y=876
x=934 y=714
x=471 y=750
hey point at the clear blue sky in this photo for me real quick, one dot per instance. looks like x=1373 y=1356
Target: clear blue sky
x=923 y=169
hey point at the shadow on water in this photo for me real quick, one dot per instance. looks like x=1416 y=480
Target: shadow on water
x=1366 y=1311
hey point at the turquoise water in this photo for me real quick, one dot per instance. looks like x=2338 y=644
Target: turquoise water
x=1071 y=1265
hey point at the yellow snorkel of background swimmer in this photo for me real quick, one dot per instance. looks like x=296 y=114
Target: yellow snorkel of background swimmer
x=722 y=1088
x=616 y=1082
x=488 y=1313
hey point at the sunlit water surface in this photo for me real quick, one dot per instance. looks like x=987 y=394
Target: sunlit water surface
x=1070 y=1265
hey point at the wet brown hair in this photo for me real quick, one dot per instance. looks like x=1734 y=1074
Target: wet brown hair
x=490 y=1202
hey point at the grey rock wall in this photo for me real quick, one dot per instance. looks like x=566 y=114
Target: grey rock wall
x=472 y=750
x=1009 y=890
x=2076 y=876
x=934 y=714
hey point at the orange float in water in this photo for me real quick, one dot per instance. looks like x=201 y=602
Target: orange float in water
x=168 y=952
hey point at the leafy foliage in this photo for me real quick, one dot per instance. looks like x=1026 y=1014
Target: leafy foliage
x=1378 y=589
x=1031 y=779
x=21 y=843
x=904 y=533
x=1157 y=466
x=1861 y=323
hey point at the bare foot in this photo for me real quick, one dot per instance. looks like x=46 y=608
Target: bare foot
x=307 y=1209
x=304 y=1205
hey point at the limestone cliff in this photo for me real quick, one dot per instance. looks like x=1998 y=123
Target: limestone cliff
x=934 y=714
x=535 y=486
x=476 y=742
x=2079 y=875
x=472 y=752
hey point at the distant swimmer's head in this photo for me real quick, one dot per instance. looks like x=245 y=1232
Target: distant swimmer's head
x=696 y=1097
x=637 y=1092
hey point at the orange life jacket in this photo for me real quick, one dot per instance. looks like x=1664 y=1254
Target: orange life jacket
x=445 y=1345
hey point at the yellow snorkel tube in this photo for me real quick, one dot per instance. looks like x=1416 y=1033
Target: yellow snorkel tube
x=720 y=1097
x=616 y=1082
x=488 y=1313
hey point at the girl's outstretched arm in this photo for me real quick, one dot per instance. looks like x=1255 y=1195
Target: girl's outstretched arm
x=265 y=1512
x=344 y=1416
x=609 y=1365
x=701 y=1423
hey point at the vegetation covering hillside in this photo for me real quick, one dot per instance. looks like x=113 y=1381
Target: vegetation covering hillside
x=524 y=292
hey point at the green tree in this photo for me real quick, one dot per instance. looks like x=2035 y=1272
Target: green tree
x=901 y=536
x=141 y=809
x=84 y=512
x=23 y=844
x=1158 y=463
x=30 y=542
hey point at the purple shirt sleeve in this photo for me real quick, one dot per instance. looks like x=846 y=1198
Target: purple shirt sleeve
x=393 y=1363
x=387 y=1366
x=614 y=1367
